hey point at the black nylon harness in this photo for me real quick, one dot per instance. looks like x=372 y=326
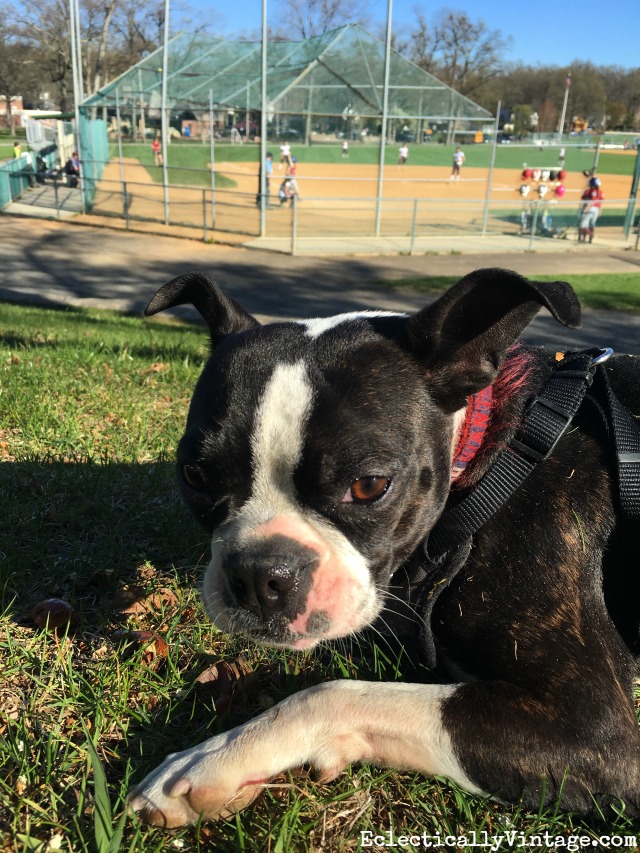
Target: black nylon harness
x=546 y=420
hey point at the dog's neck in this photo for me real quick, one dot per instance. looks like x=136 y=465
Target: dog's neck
x=472 y=423
x=478 y=424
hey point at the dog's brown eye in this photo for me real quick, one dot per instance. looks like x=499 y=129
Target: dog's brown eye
x=366 y=490
x=194 y=476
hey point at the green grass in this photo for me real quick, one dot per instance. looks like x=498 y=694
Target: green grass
x=194 y=154
x=6 y=150
x=602 y=291
x=186 y=165
x=91 y=407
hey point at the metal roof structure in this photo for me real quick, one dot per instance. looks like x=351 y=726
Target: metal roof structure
x=336 y=74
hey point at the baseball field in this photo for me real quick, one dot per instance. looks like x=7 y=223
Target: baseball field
x=339 y=194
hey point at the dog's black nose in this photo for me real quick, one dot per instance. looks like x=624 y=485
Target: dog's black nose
x=261 y=586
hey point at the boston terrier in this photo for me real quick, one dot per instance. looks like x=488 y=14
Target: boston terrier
x=325 y=457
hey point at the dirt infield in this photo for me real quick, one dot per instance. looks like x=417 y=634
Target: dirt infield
x=347 y=180
x=337 y=198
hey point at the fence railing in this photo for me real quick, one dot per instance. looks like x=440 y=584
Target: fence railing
x=229 y=211
x=19 y=174
x=415 y=219
x=233 y=212
x=15 y=177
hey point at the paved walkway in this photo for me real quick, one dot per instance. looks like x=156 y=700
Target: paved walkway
x=467 y=244
x=58 y=263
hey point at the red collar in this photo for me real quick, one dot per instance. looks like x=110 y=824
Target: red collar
x=472 y=431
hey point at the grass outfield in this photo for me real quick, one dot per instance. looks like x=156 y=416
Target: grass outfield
x=185 y=163
x=93 y=404
x=192 y=154
x=195 y=155
x=6 y=150
x=601 y=291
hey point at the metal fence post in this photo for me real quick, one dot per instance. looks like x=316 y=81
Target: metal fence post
x=204 y=215
x=596 y=157
x=9 y=195
x=125 y=204
x=294 y=226
x=385 y=110
x=487 y=201
x=55 y=192
x=628 y=221
x=534 y=225
x=212 y=158
x=413 y=226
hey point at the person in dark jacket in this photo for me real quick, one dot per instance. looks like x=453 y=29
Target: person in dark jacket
x=72 y=170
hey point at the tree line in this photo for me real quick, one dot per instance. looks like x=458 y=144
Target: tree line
x=466 y=54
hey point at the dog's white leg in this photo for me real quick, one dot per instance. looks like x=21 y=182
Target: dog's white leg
x=328 y=726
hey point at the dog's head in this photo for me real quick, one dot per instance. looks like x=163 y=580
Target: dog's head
x=317 y=453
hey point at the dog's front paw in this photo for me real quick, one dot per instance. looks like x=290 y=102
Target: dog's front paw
x=224 y=774
x=203 y=782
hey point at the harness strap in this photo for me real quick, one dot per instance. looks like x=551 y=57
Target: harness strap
x=625 y=433
x=546 y=419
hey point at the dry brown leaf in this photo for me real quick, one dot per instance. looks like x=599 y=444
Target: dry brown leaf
x=156 y=367
x=222 y=679
x=133 y=600
x=155 y=646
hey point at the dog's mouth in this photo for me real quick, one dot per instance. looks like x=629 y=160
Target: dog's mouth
x=282 y=592
x=279 y=632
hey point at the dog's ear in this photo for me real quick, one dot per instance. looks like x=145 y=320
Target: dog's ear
x=462 y=338
x=221 y=313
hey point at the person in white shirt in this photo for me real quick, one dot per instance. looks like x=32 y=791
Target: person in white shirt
x=458 y=160
x=403 y=154
x=285 y=156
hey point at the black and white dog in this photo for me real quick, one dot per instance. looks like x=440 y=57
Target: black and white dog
x=319 y=455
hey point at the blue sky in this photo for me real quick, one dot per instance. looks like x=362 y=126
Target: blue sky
x=545 y=32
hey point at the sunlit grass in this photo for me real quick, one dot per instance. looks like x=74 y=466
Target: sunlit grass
x=91 y=407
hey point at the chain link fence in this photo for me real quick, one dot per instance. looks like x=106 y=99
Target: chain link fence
x=311 y=219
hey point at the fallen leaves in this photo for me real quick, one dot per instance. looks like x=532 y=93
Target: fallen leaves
x=154 y=646
x=135 y=601
x=222 y=680
x=156 y=367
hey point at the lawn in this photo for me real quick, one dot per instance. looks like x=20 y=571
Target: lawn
x=6 y=150
x=92 y=405
x=185 y=164
x=196 y=155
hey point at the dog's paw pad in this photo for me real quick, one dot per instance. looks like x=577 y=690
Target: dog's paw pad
x=214 y=803
x=180 y=788
x=169 y=813
x=322 y=775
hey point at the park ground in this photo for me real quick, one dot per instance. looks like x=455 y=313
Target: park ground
x=93 y=404
x=338 y=195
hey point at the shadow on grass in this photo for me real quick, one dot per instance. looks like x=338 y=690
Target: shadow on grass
x=84 y=532
x=64 y=524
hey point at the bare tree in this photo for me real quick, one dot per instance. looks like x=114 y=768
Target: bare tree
x=424 y=43
x=14 y=56
x=466 y=54
x=138 y=32
x=308 y=18
x=46 y=24
x=99 y=19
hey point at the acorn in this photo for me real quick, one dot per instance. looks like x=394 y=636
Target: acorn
x=54 y=613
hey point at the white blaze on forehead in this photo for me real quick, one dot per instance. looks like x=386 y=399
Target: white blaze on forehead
x=278 y=434
x=318 y=325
